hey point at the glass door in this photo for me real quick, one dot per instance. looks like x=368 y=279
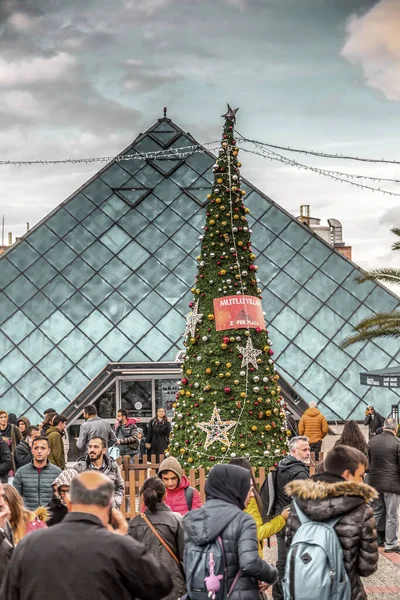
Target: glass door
x=137 y=398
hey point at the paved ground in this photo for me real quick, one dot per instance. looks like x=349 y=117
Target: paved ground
x=383 y=585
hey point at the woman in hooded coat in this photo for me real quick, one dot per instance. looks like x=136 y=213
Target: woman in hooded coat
x=227 y=494
x=58 y=504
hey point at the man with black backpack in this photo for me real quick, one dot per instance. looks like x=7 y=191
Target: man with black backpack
x=181 y=497
x=331 y=531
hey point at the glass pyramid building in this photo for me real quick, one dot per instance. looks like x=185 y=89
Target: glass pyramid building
x=106 y=277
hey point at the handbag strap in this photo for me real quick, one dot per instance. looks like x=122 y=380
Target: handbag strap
x=160 y=539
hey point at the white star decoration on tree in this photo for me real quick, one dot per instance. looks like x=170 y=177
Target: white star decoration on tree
x=249 y=354
x=216 y=430
x=191 y=321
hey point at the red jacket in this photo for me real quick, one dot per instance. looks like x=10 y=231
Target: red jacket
x=176 y=500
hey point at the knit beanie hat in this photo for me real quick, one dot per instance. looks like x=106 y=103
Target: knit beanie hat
x=171 y=464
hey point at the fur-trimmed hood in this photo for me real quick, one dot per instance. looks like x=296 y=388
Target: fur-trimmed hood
x=327 y=496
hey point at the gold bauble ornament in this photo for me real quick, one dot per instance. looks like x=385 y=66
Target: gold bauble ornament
x=243 y=394
x=224 y=346
x=267 y=427
x=190 y=460
x=243 y=445
x=210 y=317
x=228 y=365
x=182 y=450
x=219 y=180
x=208 y=370
x=188 y=371
x=254 y=428
x=236 y=382
x=218 y=200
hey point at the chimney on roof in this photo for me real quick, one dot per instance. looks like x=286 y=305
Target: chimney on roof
x=10 y=238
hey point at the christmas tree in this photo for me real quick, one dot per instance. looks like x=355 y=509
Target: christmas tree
x=229 y=401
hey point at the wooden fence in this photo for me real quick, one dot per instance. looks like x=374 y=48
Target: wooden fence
x=136 y=473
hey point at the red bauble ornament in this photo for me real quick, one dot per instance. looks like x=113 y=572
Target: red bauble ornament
x=212 y=458
x=184 y=381
x=271 y=352
x=225 y=340
x=227 y=390
x=252 y=268
x=258 y=330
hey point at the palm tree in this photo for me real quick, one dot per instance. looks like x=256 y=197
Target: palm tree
x=380 y=325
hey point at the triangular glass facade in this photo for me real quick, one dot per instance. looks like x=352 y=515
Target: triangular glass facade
x=106 y=278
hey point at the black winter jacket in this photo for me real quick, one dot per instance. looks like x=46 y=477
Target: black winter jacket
x=108 y=468
x=128 y=434
x=289 y=468
x=374 y=422
x=6 y=550
x=34 y=487
x=158 y=436
x=22 y=454
x=83 y=561
x=327 y=496
x=58 y=511
x=6 y=461
x=169 y=525
x=384 y=463
x=239 y=535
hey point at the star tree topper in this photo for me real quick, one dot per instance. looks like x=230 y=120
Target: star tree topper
x=191 y=321
x=216 y=430
x=231 y=113
x=249 y=354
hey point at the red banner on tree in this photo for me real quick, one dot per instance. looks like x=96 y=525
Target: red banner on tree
x=238 y=312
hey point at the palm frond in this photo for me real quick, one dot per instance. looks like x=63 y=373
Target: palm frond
x=384 y=275
x=396 y=246
x=396 y=231
x=369 y=335
x=391 y=320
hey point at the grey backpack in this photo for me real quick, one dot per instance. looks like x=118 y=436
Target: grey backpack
x=314 y=566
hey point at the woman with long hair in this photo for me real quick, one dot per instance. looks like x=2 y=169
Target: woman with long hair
x=161 y=531
x=22 y=520
x=47 y=422
x=352 y=436
x=254 y=508
x=157 y=436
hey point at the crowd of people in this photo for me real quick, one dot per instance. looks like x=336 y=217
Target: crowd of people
x=177 y=546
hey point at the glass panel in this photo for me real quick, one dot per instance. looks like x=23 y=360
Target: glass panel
x=72 y=383
x=95 y=326
x=4 y=385
x=311 y=341
x=154 y=307
x=77 y=308
x=115 y=307
x=40 y=273
x=334 y=360
x=337 y=267
x=5 y=344
x=42 y=239
x=61 y=222
x=186 y=207
x=279 y=252
x=19 y=404
x=271 y=304
x=115 y=345
x=381 y=402
x=14 y=365
x=169 y=254
x=279 y=341
x=295 y=235
x=164 y=126
x=200 y=193
x=22 y=255
x=115 y=272
x=98 y=223
x=79 y=239
x=166 y=164
x=56 y=327
x=135 y=325
x=93 y=363
x=371 y=357
x=154 y=344
x=262 y=237
x=316 y=378
x=58 y=290
x=184 y=176
x=257 y=204
x=134 y=289
x=380 y=300
x=164 y=138
x=169 y=222
x=149 y=177
x=276 y=220
x=33 y=385
x=114 y=207
x=343 y=303
x=183 y=305
x=132 y=165
x=151 y=207
x=152 y=238
x=359 y=290
x=154 y=272
x=360 y=314
x=80 y=207
x=106 y=407
x=170 y=354
x=136 y=397
x=97 y=255
x=97 y=191
x=133 y=196
x=7 y=308
x=172 y=325
x=17 y=327
x=133 y=223
x=187 y=238
x=147 y=144
x=115 y=175
x=289 y=323
x=20 y=290
x=166 y=390
x=294 y=361
x=321 y=285
x=167 y=191
x=300 y=269
x=172 y=288
x=115 y=239
x=351 y=375
x=75 y=345
x=8 y=272
x=342 y=400
x=52 y=398
x=327 y=321
x=200 y=162
x=344 y=333
x=266 y=270
x=39 y=308
x=36 y=346
x=390 y=346
x=316 y=251
x=304 y=303
x=60 y=256
x=134 y=255
x=284 y=287
x=186 y=269
x=78 y=272
x=96 y=290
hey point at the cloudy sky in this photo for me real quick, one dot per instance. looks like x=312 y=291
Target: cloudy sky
x=84 y=78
